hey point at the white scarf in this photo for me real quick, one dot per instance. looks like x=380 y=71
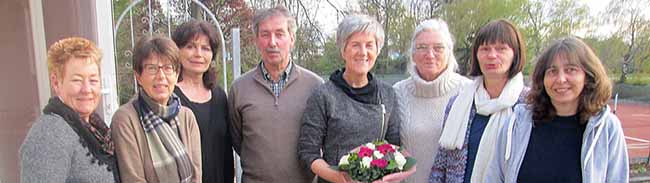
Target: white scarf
x=499 y=110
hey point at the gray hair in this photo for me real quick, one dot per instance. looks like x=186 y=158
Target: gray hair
x=440 y=26
x=359 y=23
x=264 y=14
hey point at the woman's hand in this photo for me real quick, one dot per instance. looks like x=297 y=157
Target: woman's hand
x=396 y=177
x=345 y=178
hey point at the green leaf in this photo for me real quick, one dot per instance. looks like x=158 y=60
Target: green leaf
x=391 y=165
x=410 y=162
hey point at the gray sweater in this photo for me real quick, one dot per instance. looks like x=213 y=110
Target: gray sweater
x=265 y=127
x=52 y=152
x=337 y=123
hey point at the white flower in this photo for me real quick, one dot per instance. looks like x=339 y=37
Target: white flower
x=371 y=146
x=365 y=162
x=344 y=160
x=378 y=154
x=400 y=160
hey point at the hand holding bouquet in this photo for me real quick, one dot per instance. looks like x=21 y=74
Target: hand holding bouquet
x=373 y=161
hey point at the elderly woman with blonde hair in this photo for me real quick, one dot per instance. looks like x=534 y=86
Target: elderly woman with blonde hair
x=432 y=83
x=353 y=107
x=70 y=142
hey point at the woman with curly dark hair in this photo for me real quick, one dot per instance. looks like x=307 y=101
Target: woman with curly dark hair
x=565 y=132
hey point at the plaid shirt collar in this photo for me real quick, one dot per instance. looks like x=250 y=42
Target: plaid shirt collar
x=276 y=86
x=284 y=76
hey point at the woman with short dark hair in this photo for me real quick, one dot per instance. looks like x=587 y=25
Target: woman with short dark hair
x=473 y=117
x=156 y=139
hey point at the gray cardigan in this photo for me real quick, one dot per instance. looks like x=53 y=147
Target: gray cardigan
x=337 y=123
x=52 y=152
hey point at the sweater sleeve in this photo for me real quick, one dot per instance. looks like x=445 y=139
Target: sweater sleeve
x=195 y=149
x=396 y=119
x=618 y=164
x=46 y=154
x=129 y=159
x=313 y=129
x=235 y=120
x=439 y=170
x=228 y=163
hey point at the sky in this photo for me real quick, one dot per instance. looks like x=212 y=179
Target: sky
x=327 y=16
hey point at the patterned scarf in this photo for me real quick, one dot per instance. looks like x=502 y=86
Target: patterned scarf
x=94 y=134
x=160 y=124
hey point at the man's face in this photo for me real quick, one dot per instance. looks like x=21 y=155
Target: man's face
x=274 y=40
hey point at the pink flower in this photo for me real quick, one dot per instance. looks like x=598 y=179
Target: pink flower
x=384 y=148
x=380 y=163
x=365 y=152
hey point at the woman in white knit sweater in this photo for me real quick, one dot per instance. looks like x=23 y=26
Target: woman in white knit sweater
x=426 y=92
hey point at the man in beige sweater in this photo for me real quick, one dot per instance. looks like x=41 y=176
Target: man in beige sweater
x=266 y=104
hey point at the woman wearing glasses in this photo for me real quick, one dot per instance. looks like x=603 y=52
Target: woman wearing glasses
x=433 y=81
x=156 y=139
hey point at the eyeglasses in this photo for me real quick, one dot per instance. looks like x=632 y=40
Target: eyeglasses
x=437 y=49
x=153 y=69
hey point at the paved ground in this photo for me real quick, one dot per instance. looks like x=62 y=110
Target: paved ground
x=636 y=126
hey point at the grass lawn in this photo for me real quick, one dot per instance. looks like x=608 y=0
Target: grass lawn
x=633 y=79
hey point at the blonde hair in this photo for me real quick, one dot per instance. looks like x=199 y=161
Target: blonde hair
x=74 y=47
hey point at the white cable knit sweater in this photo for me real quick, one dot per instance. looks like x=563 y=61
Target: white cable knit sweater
x=425 y=103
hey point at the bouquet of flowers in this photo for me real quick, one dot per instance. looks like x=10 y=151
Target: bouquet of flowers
x=374 y=160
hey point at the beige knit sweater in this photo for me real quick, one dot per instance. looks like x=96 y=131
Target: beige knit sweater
x=424 y=103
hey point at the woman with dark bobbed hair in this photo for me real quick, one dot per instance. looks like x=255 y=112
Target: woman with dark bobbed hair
x=473 y=117
x=565 y=132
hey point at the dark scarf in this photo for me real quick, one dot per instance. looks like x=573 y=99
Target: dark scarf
x=161 y=127
x=367 y=94
x=94 y=135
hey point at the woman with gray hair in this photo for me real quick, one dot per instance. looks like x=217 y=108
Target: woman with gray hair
x=432 y=82
x=353 y=107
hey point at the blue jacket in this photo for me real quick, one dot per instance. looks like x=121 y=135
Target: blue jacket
x=603 y=156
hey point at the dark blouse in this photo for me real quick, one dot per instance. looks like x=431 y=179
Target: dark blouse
x=216 y=145
x=475 y=133
x=553 y=153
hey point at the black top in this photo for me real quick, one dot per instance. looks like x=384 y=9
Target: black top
x=475 y=133
x=216 y=145
x=553 y=153
x=367 y=94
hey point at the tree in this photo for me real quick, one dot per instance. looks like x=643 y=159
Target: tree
x=609 y=51
x=633 y=26
x=465 y=17
x=398 y=26
x=165 y=16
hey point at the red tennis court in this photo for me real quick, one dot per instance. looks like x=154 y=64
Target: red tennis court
x=636 y=126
